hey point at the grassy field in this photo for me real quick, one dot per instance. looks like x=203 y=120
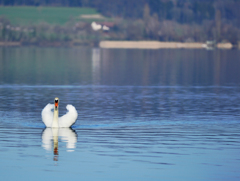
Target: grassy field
x=23 y=15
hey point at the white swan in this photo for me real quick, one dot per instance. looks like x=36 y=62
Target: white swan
x=51 y=119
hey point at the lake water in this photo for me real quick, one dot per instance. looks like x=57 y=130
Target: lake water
x=142 y=114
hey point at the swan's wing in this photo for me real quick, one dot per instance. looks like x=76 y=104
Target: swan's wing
x=69 y=136
x=69 y=118
x=47 y=115
x=47 y=139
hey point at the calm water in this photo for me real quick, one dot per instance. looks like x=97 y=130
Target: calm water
x=142 y=114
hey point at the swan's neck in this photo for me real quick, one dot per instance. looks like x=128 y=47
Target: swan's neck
x=55 y=118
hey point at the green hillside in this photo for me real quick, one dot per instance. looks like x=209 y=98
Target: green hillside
x=54 y=15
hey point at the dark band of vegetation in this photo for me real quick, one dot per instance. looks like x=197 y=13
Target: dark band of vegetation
x=164 y=20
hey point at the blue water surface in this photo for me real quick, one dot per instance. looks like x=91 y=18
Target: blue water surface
x=144 y=115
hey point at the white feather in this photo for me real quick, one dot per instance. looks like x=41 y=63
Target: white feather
x=66 y=120
x=69 y=118
x=47 y=115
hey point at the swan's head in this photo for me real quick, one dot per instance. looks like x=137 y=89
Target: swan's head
x=56 y=102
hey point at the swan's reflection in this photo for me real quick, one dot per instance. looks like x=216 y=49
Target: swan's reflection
x=67 y=135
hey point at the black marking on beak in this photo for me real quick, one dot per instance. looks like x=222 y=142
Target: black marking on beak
x=56 y=103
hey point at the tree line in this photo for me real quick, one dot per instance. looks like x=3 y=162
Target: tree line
x=182 y=11
x=164 y=20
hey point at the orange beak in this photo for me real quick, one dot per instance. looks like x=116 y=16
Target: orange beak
x=56 y=104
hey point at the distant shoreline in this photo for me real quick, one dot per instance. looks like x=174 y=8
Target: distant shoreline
x=159 y=45
x=128 y=45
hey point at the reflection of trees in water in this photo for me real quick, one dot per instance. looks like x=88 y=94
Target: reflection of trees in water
x=80 y=66
x=96 y=63
x=168 y=67
x=51 y=136
x=52 y=66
